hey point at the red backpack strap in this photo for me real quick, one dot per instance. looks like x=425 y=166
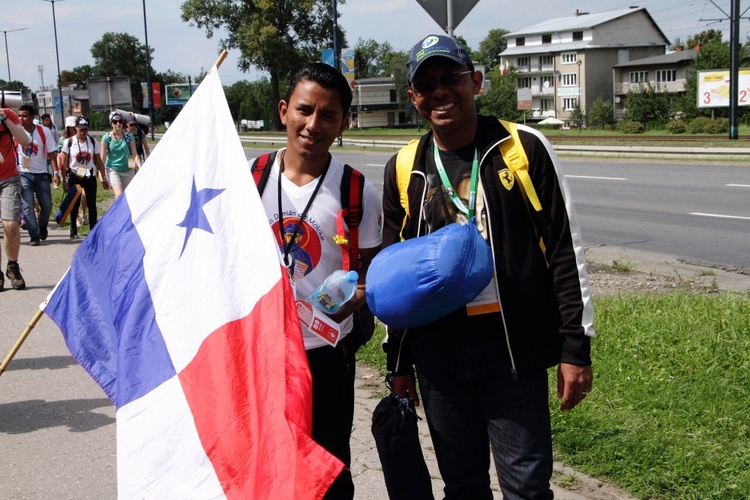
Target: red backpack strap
x=260 y=172
x=352 y=187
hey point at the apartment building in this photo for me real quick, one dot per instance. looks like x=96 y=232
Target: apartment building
x=568 y=61
x=667 y=73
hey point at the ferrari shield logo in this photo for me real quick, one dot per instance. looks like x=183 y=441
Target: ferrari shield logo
x=506 y=178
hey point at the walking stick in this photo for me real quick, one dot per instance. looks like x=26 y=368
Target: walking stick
x=21 y=340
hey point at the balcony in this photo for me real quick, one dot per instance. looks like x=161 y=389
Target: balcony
x=538 y=90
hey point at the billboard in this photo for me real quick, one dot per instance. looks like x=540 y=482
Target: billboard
x=109 y=92
x=178 y=93
x=713 y=88
x=524 y=99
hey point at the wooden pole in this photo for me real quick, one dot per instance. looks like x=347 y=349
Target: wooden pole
x=21 y=340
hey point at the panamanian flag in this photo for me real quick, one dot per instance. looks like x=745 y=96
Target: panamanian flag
x=177 y=305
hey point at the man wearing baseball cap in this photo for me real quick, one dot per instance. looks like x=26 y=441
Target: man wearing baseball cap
x=482 y=368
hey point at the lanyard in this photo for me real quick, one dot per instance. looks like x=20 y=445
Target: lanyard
x=288 y=245
x=469 y=212
x=29 y=150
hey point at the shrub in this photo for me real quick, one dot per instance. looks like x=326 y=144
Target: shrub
x=676 y=127
x=718 y=126
x=632 y=127
x=699 y=125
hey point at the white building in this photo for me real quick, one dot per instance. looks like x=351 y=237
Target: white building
x=568 y=61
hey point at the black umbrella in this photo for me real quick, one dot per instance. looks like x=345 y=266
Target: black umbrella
x=394 y=426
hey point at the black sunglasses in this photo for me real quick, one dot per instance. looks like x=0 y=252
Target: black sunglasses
x=424 y=85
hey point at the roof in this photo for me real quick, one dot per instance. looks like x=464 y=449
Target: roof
x=386 y=80
x=580 y=22
x=548 y=48
x=671 y=58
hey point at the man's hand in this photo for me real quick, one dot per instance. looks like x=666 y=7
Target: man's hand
x=404 y=386
x=573 y=384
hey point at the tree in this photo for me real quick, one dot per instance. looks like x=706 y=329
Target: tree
x=250 y=100
x=77 y=76
x=12 y=85
x=601 y=113
x=704 y=38
x=491 y=47
x=370 y=59
x=501 y=100
x=648 y=106
x=121 y=54
x=276 y=36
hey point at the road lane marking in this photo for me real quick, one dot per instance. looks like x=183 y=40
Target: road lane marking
x=598 y=178
x=720 y=216
x=738 y=185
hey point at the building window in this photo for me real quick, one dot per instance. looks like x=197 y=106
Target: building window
x=546 y=39
x=393 y=96
x=638 y=77
x=569 y=103
x=523 y=62
x=666 y=75
x=545 y=61
x=569 y=57
x=577 y=36
x=520 y=41
x=569 y=80
x=524 y=82
x=545 y=104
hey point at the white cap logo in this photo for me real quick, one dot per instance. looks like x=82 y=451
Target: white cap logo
x=429 y=42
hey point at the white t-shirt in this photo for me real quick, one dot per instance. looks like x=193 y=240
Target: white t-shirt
x=33 y=158
x=81 y=155
x=316 y=255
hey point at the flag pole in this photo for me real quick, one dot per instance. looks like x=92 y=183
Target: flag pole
x=221 y=58
x=21 y=340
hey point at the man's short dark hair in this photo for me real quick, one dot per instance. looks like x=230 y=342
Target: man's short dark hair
x=29 y=108
x=327 y=77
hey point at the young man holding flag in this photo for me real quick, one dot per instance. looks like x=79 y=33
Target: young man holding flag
x=303 y=196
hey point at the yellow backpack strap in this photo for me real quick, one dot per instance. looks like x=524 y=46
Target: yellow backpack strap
x=518 y=163
x=404 y=164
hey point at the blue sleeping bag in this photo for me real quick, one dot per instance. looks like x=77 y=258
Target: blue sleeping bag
x=420 y=280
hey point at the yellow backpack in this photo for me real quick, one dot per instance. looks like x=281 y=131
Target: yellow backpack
x=513 y=155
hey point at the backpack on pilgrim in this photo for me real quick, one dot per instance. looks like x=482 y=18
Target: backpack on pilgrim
x=352 y=188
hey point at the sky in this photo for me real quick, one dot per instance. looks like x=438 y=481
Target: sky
x=185 y=49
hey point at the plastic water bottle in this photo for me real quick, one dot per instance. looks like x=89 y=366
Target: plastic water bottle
x=336 y=290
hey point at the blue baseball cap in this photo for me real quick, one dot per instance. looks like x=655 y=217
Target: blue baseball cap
x=436 y=46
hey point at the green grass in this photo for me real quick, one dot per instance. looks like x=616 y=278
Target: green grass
x=669 y=416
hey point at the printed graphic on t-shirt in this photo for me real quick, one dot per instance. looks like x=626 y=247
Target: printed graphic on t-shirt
x=305 y=250
x=83 y=157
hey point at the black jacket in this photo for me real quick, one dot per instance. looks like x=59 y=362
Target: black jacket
x=544 y=288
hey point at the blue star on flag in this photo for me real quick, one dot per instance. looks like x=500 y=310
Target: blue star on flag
x=195 y=217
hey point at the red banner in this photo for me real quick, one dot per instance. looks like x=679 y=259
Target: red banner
x=156 y=93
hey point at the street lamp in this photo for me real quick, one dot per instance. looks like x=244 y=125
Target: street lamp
x=148 y=74
x=57 y=54
x=580 y=96
x=7 y=57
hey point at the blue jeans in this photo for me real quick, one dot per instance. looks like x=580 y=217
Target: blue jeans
x=473 y=405
x=36 y=185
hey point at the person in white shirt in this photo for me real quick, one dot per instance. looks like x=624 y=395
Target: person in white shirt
x=35 y=176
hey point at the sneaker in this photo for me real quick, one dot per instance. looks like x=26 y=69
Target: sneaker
x=34 y=241
x=43 y=233
x=74 y=236
x=14 y=275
